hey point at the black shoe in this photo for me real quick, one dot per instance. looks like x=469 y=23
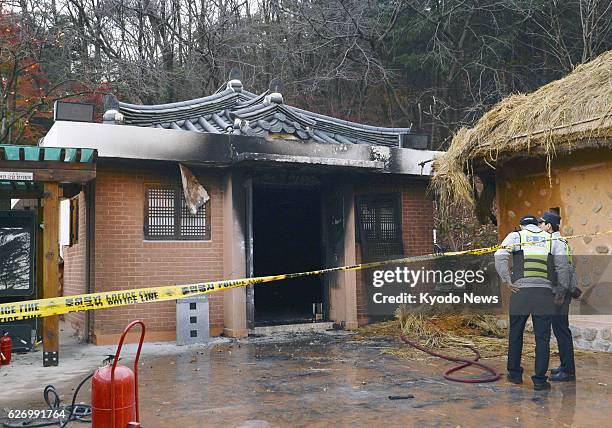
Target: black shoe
x=541 y=386
x=513 y=379
x=556 y=370
x=562 y=377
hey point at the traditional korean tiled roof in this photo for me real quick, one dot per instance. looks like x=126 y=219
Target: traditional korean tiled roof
x=237 y=111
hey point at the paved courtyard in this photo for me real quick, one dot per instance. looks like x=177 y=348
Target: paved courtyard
x=325 y=379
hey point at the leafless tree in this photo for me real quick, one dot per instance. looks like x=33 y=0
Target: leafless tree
x=436 y=64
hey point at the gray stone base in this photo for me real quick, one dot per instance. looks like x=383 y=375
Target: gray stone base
x=293 y=328
x=587 y=334
x=592 y=335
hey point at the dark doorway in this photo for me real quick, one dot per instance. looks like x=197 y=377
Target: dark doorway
x=286 y=239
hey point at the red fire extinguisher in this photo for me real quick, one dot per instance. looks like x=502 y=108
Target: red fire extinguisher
x=6 y=348
x=114 y=390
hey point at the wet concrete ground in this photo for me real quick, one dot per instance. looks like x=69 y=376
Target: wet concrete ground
x=330 y=379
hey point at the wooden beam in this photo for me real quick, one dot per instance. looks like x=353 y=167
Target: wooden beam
x=62 y=175
x=50 y=271
x=31 y=193
x=18 y=165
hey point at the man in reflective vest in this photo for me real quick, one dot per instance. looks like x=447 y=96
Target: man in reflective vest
x=566 y=372
x=536 y=260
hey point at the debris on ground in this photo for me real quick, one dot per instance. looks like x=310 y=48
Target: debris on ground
x=447 y=333
x=277 y=377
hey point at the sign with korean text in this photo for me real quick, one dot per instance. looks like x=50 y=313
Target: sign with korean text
x=16 y=176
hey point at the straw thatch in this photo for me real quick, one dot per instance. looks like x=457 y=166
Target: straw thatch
x=560 y=116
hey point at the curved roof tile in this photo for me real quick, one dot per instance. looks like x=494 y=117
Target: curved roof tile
x=237 y=111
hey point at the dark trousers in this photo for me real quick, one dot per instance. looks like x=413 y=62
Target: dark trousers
x=537 y=302
x=560 y=326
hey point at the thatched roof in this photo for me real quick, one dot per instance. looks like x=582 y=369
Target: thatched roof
x=559 y=116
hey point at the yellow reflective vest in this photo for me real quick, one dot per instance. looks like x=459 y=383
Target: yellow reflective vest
x=534 y=259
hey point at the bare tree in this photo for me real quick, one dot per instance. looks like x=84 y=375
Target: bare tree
x=436 y=64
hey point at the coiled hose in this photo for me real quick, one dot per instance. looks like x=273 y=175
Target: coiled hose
x=494 y=376
x=76 y=412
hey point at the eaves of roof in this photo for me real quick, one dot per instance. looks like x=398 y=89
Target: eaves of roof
x=226 y=150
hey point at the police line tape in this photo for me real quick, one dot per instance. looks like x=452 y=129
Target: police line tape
x=28 y=309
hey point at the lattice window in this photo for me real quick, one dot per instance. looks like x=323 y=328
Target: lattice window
x=167 y=215
x=379 y=227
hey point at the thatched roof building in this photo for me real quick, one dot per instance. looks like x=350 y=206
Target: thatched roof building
x=550 y=150
x=568 y=114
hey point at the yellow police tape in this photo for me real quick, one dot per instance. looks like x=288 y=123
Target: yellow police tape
x=27 y=309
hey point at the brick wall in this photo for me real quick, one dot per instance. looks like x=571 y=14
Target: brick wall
x=417 y=222
x=75 y=269
x=124 y=259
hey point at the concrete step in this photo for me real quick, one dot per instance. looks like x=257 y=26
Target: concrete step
x=293 y=328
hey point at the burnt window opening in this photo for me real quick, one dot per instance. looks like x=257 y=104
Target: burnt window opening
x=74 y=221
x=379 y=227
x=167 y=216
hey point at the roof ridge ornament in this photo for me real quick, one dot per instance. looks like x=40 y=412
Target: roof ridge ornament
x=273 y=98
x=234 y=83
x=113 y=117
x=274 y=88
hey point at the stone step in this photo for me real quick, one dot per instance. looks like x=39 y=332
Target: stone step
x=293 y=328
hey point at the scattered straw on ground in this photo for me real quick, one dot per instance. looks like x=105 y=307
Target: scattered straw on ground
x=447 y=334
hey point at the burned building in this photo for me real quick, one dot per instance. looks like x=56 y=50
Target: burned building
x=287 y=190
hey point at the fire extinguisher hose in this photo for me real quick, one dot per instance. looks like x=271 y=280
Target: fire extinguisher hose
x=494 y=376
x=76 y=412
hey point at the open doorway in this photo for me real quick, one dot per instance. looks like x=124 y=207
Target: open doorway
x=286 y=238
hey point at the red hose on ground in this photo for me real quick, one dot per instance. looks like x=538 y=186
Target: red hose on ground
x=465 y=363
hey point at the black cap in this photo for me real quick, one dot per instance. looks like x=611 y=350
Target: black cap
x=551 y=218
x=528 y=219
